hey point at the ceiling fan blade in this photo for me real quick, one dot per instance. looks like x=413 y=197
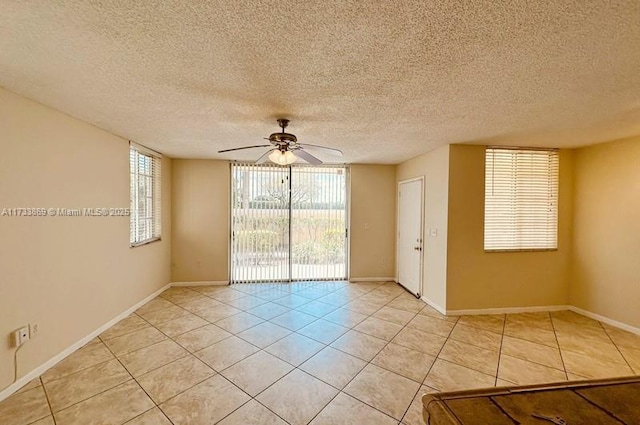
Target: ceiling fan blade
x=332 y=151
x=244 y=147
x=307 y=157
x=264 y=157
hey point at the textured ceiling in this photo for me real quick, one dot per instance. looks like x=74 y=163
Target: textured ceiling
x=384 y=81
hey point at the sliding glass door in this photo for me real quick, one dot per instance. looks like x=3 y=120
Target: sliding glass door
x=288 y=223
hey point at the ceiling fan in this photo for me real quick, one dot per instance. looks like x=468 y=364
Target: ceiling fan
x=286 y=149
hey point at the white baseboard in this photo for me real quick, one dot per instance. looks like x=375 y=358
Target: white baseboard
x=508 y=310
x=202 y=283
x=25 y=379
x=372 y=279
x=434 y=305
x=606 y=320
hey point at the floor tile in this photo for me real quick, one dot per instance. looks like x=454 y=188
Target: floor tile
x=394 y=315
x=268 y=310
x=246 y=303
x=537 y=353
x=200 y=338
x=255 y=373
x=239 y=322
x=407 y=303
x=378 y=328
x=252 y=413
x=363 y=307
x=523 y=372
x=632 y=356
x=346 y=410
x=336 y=299
x=130 y=399
x=227 y=295
x=271 y=294
x=531 y=333
x=421 y=341
x=264 y=334
x=134 y=340
x=218 y=312
x=164 y=315
x=152 y=357
x=129 y=324
x=204 y=404
x=535 y=319
x=476 y=336
x=292 y=301
x=333 y=367
x=24 y=408
x=297 y=397
x=323 y=331
x=181 y=325
x=593 y=367
x=87 y=356
x=84 y=384
x=471 y=356
x=150 y=417
x=317 y=308
x=44 y=421
x=388 y=391
x=432 y=312
x=414 y=413
x=593 y=347
x=488 y=322
x=404 y=361
x=154 y=305
x=294 y=349
x=360 y=345
x=163 y=383
x=226 y=353
x=199 y=304
x=623 y=338
x=293 y=320
x=344 y=317
x=432 y=325
x=447 y=376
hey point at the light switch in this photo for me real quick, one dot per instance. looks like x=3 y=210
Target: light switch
x=433 y=233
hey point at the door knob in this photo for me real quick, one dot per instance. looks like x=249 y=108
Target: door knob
x=417 y=248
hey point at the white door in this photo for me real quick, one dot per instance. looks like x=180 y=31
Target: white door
x=409 y=252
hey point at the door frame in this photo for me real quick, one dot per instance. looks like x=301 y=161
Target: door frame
x=347 y=200
x=422 y=200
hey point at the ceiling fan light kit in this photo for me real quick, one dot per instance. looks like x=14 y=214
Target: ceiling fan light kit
x=282 y=158
x=283 y=147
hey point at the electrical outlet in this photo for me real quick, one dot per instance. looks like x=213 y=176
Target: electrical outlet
x=21 y=336
x=34 y=329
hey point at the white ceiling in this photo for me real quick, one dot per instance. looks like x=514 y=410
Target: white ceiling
x=384 y=81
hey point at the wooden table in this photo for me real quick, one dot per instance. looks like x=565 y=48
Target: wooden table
x=599 y=402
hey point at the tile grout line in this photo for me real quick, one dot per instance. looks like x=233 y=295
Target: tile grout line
x=555 y=333
x=504 y=325
x=617 y=348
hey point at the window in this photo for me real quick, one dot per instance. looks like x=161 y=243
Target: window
x=145 y=183
x=521 y=199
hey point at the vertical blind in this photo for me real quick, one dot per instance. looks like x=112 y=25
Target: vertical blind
x=521 y=199
x=288 y=223
x=145 y=189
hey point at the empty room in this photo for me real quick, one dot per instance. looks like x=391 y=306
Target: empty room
x=272 y=213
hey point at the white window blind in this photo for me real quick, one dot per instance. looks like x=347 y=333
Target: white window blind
x=521 y=199
x=145 y=185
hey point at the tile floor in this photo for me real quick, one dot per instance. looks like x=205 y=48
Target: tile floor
x=315 y=353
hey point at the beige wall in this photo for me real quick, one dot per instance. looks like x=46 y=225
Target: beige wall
x=479 y=280
x=200 y=220
x=70 y=275
x=606 y=241
x=372 y=221
x=434 y=166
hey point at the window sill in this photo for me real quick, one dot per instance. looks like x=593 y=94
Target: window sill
x=489 y=251
x=145 y=242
